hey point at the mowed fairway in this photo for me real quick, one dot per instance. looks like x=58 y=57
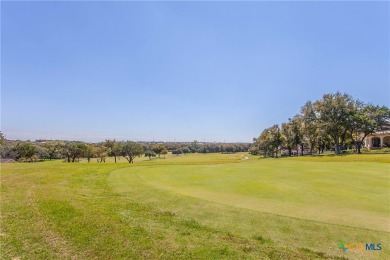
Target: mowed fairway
x=197 y=206
x=332 y=192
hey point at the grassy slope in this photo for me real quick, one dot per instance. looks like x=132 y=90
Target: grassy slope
x=59 y=210
x=342 y=193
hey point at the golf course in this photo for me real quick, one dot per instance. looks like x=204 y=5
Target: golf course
x=201 y=130
x=209 y=206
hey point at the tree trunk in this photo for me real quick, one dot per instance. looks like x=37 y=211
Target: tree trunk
x=337 y=146
x=289 y=151
x=358 y=147
x=301 y=149
x=360 y=142
x=115 y=158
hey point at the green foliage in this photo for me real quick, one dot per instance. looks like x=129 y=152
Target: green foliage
x=269 y=141
x=150 y=154
x=254 y=149
x=194 y=146
x=177 y=151
x=90 y=152
x=102 y=153
x=186 y=150
x=335 y=112
x=73 y=151
x=309 y=125
x=52 y=149
x=26 y=151
x=157 y=149
x=367 y=119
x=335 y=120
x=164 y=152
x=130 y=150
x=8 y=149
x=288 y=136
x=2 y=138
x=114 y=148
x=297 y=130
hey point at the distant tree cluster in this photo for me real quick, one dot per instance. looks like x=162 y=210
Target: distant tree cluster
x=336 y=121
x=70 y=151
x=197 y=147
x=73 y=151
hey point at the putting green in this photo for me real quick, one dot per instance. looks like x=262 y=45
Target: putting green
x=352 y=194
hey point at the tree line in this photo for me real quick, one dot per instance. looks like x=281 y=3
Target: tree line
x=197 y=147
x=336 y=121
x=73 y=151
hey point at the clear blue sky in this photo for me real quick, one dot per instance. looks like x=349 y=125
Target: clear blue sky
x=183 y=70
